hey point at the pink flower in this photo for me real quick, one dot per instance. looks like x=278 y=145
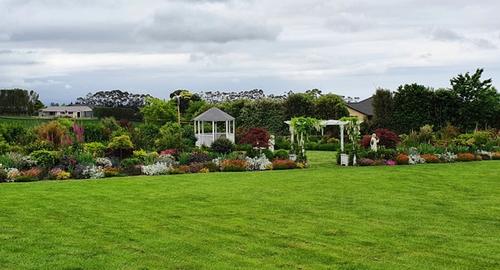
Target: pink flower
x=390 y=163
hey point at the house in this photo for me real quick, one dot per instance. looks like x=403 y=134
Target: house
x=67 y=111
x=362 y=109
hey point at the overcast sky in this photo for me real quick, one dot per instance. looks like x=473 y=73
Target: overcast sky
x=65 y=49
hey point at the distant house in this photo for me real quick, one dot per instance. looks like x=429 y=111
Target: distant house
x=362 y=109
x=67 y=111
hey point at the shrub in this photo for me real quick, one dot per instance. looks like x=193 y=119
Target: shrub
x=121 y=145
x=196 y=167
x=211 y=166
x=481 y=138
x=402 y=159
x=257 y=137
x=430 y=158
x=366 y=162
x=85 y=158
x=327 y=147
x=466 y=157
x=17 y=160
x=171 y=152
x=281 y=154
x=111 y=172
x=104 y=162
x=199 y=157
x=496 y=156
x=96 y=149
x=447 y=157
x=233 y=165
x=59 y=174
x=45 y=158
x=222 y=146
x=259 y=163
x=12 y=173
x=33 y=174
x=54 y=132
x=282 y=143
x=93 y=172
x=182 y=169
x=159 y=168
x=284 y=164
x=390 y=162
x=129 y=162
x=3 y=174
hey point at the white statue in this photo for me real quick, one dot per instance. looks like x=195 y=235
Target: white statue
x=271 y=143
x=373 y=142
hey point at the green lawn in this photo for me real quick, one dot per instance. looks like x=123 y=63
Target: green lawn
x=27 y=121
x=436 y=216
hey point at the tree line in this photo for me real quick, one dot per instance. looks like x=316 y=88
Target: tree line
x=19 y=102
x=470 y=103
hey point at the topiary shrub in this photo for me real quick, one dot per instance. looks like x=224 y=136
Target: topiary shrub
x=430 y=158
x=464 y=157
x=402 y=159
x=121 y=146
x=222 y=146
x=281 y=154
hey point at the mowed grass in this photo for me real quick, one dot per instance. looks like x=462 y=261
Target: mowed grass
x=436 y=216
x=35 y=121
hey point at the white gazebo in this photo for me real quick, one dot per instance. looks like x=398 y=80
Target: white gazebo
x=325 y=123
x=213 y=116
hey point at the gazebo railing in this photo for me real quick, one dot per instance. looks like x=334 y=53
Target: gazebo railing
x=208 y=138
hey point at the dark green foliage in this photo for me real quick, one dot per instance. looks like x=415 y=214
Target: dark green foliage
x=412 y=107
x=330 y=106
x=171 y=137
x=145 y=135
x=159 y=112
x=19 y=102
x=264 y=113
x=222 y=146
x=281 y=154
x=383 y=107
x=282 y=142
x=128 y=113
x=129 y=162
x=44 y=158
x=299 y=104
x=479 y=100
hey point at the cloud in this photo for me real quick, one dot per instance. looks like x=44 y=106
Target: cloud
x=199 y=24
x=350 y=46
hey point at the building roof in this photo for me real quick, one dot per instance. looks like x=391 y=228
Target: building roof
x=365 y=106
x=67 y=109
x=214 y=114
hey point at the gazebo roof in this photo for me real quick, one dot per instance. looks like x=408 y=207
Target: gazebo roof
x=214 y=114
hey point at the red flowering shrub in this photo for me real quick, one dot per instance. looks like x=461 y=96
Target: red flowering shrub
x=284 y=164
x=402 y=159
x=466 y=157
x=430 y=158
x=386 y=137
x=257 y=137
x=233 y=165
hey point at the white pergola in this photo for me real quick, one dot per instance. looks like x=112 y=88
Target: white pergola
x=325 y=123
x=213 y=115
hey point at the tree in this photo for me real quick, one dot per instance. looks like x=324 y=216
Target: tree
x=446 y=104
x=299 y=104
x=183 y=99
x=413 y=107
x=113 y=98
x=330 y=106
x=19 y=101
x=479 y=100
x=264 y=113
x=383 y=106
x=157 y=111
x=257 y=137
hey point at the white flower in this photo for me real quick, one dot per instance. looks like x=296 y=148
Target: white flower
x=258 y=163
x=93 y=172
x=158 y=168
x=104 y=162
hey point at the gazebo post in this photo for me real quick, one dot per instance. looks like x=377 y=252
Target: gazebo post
x=213 y=131
x=342 y=138
x=227 y=131
x=234 y=131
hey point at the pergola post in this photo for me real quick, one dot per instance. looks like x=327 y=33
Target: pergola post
x=342 y=138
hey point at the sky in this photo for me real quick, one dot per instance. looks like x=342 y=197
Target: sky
x=64 y=49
